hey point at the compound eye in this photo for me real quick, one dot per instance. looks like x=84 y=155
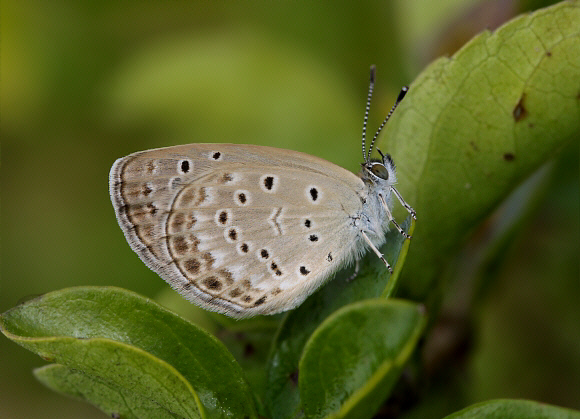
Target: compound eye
x=379 y=170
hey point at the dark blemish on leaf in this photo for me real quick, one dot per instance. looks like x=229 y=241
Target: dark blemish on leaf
x=548 y=53
x=509 y=156
x=520 y=111
x=249 y=350
x=474 y=146
x=294 y=377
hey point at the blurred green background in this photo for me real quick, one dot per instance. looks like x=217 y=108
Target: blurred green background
x=83 y=83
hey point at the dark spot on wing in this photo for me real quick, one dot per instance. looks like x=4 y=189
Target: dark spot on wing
x=314 y=194
x=184 y=166
x=269 y=182
x=260 y=301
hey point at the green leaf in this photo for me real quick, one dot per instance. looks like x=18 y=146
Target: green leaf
x=113 y=401
x=373 y=280
x=133 y=344
x=516 y=409
x=474 y=125
x=354 y=358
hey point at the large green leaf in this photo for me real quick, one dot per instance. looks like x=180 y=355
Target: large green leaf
x=354 y=358
x=474 y=125
x=132 y=344
x=282 y=395
x=111 y=400
x=514 y=409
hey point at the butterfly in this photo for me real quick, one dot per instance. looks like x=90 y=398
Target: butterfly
x=246 y=230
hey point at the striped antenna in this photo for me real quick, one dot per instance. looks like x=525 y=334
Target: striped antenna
x=366 y=118
x=402 y=94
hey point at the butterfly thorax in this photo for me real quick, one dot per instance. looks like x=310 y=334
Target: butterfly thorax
x=379 y=177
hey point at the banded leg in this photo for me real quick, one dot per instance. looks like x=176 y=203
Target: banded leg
x=355 y=273
x=379 y=254
x=404 y=204
x=392 y=219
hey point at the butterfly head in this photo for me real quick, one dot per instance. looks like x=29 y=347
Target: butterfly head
x=379 y=172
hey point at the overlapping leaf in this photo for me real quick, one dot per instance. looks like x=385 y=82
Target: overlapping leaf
x=354 y=358
x=514 y=409
x=132 y=344
x=474 y=125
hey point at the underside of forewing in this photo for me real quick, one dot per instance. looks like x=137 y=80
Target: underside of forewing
x=238 y=229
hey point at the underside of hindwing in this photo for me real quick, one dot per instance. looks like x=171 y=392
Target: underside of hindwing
x=238 y=229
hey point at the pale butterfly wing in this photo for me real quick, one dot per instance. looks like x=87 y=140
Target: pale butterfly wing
x=238 y=229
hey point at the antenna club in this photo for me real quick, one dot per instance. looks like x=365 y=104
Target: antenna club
x=373 y=73
x=402 y=94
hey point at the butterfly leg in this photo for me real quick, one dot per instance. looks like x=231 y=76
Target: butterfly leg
x=392 y=219
x=379 y=254
x=404 y=204
x=355 y=273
